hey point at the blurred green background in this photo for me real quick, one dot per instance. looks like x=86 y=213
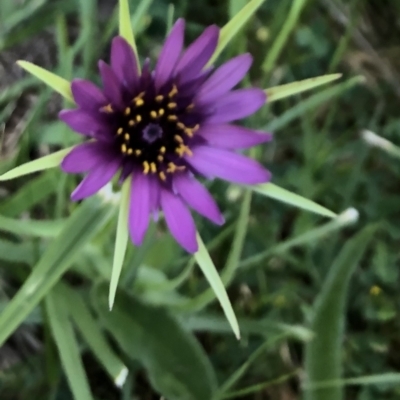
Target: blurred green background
x=286 y=270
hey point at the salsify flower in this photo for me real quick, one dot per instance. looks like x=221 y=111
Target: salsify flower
x=164 y=128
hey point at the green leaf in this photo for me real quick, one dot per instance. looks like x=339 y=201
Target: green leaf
x=46 y=162
x=175 y=362
x=229 y=30
x=95 y=339
x=125 y=27
x=379 y=379
x=47 y=229
x=280 y=194
x=290 y=23
x=323 y=359
x=290 y=89
x=121 y=240
x=210 y=272
x=84 y=223
x=56 y=306
x=54 y=81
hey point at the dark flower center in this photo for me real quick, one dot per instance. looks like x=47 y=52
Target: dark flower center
x=155 y=131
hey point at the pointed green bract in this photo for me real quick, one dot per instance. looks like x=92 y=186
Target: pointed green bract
x=121 y=240
x=54 y=81
x=210 y=272
x=290 y=89
x=125 y=26
x=46 y=162
x=67 y=345
x=278 y=193
x=229 y=31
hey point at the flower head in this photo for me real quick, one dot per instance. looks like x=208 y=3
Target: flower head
x=163 y=128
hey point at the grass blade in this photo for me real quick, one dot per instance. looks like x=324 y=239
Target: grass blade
x=42 y=163
x=86 y=221
x=54 y=81
x=95 y=339
x=287 y=28
x=323 y=354
x=229 y=30
x=121 y=240
x=290 y=89
x=45 y=229
x=67 y=345
x=280 y=194
x=210 y=272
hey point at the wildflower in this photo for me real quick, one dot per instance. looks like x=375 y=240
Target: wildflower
x=163 y=128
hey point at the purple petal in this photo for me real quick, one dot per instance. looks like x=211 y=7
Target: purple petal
x=198 y=54
x=84 y=122
x=95 y=180
x=111 y=85
x=179 y=221
x=237 y=105
x=232 y=136
x=227 y=165
x=87 y=95
x=85 y=157
x=224 y=78
x=198 y=197
x=139 y=209
x=124 y=63
x=170 y=53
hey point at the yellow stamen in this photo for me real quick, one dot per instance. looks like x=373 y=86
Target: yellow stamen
x=130 y=151
x=138 y=118
x=159 y=98
x=171 y=105
x=119 y=131
x=190 y=107
x=162 y=176
x=139 y=102
x=160 y=158
x=126 y=136
x=153 y=114
x=161 y=112
x=123 y=148
x=171 y=168
x=108 y=109
x=173 y=91
x=189 y=132
x=146 y=167
x=138 y=152
x=139 y=96
x=131 y=122
x=178 y=139
x=127 y=111
x=163 y=150
x=180 y=125
x=153 y=167
x=172 y=118
x=196 y=128
x=182 y=149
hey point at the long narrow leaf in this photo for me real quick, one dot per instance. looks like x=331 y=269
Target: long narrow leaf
x=54 y=81
x=323 y=354
x=229 y=31
x=46 y=162
x=67 y=345
x=58 y=257
x=280 y=194
x=121 y=240
x=94 y=337
x=39 y=228
x=210 y=272
x=290 y=89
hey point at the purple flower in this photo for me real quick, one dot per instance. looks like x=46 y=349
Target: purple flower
x=162 y=128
